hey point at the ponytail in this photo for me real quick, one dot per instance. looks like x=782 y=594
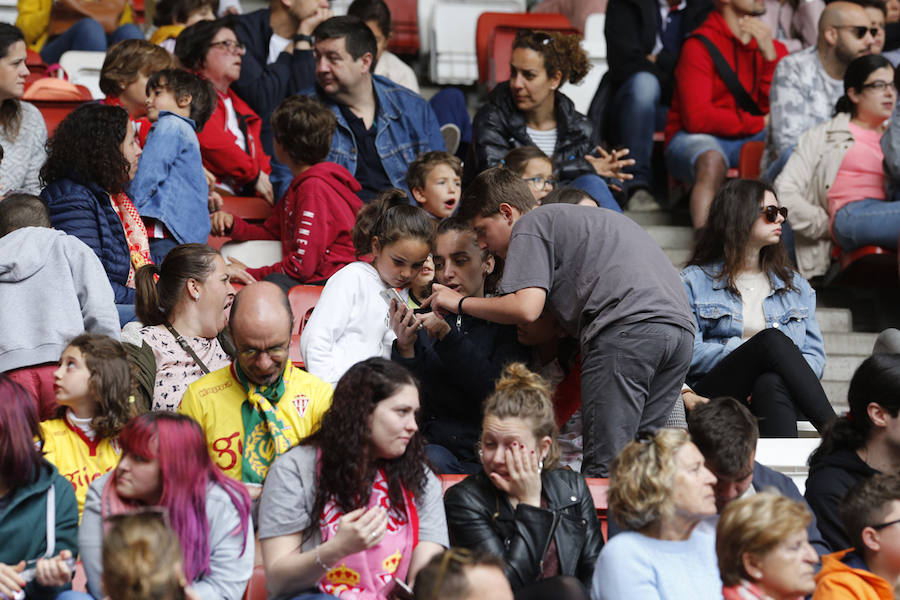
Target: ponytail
x=844 y=105
x=156 y=298
x=389 y=218
x=146 y=297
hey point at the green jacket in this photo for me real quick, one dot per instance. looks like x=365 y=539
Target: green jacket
x=23 y=525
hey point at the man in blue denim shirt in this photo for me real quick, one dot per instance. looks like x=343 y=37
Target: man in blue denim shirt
x=381 y=126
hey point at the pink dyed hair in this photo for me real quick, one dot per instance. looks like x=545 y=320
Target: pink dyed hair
x=20 y=460
x=177 y=441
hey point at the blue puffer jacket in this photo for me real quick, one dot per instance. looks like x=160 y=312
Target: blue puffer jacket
x=86 y=212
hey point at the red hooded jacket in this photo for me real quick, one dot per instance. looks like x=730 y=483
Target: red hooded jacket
x=702 y=103
x=313 y=221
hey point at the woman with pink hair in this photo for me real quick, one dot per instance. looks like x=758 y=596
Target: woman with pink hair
x=165 y=464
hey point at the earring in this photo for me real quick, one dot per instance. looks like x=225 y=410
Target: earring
x=541 y=464
x=196 y=298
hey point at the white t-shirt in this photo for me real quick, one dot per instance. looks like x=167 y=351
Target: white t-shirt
x=277 y=44
x=545 y=140
x=754 y=288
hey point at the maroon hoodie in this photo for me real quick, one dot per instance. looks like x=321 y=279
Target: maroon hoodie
x=313 y=221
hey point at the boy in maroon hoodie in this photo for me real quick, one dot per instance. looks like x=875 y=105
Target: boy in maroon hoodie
x=315 y=216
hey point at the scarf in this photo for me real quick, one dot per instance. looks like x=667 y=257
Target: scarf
x=264 y=439
x=135 y=234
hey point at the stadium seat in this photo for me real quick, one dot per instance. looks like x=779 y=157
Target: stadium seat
x=303 y=300
x=83 y=68
x=405 y=25
x=748 y=163
x=254 y=254
x=865 y=267
x=256 y=587
x=249 y=208
x=56 y=98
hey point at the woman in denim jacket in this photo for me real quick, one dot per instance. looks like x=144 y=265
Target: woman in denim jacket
x=757 y=336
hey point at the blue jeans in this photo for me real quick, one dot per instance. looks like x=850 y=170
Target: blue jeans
x=159 y=247
x=637 y=115
x=444 y=461
x=73 y=595
x=685 y=148
x=281 y=178
x=87 y=34
x=868 y=222
x=597 y=188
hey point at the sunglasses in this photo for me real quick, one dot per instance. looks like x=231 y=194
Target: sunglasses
x=771 y=212
x=860 y=30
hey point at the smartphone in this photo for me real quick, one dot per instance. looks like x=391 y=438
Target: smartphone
x=392 y=294
x=31 y=570
x=398 y=590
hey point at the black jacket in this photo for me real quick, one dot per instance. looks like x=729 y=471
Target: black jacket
x=829 y=479
x=480 y=517
x=499 y=127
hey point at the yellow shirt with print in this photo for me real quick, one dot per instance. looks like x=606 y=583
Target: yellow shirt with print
x=215 y=402
x=77 y=458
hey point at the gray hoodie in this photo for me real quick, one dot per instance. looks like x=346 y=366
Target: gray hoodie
x=52 y=288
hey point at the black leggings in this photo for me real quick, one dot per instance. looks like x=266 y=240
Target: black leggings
x=771 y=370
x=561 y=587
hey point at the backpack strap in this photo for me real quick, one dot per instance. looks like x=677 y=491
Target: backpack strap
x=728 y=76
x=51 y=521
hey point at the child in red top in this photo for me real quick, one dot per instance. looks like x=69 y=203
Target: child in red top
x=314 y=218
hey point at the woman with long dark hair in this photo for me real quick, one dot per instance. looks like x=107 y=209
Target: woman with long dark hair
x=355 y=507
x=757 y=338
x=91 y=158
x=857 y=445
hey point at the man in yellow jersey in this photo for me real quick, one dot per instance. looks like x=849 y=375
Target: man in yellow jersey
x=261 y=405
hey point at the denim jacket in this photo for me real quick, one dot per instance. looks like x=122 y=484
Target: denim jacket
x=405 y=124
x=170 y=184
x=718 y=313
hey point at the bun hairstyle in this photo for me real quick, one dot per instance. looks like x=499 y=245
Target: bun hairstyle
x=561 y=52
x=390 y=218
x=142 y=559
x=523 y=394
x=855 y=77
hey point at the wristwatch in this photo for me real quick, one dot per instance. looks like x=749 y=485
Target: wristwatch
x=302 y=37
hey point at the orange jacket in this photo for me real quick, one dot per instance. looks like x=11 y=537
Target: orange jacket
x=839 y=581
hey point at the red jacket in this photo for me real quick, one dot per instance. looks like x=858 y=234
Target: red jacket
x=702 y=103
x=313 y=221
x=221 y=154
x=141 y=125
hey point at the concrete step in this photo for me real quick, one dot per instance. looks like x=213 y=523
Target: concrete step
x=837 y=393
x=654 y=218
x=678 y=256
x=841 y=367
x=856 y=344
x=834 y=319
x=671 y=236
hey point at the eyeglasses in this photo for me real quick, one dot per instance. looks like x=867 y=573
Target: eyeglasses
x=771 y=212
x=232 y=46
x=860 y=30
x=880 y=85
x=276 y=353
x=883 y=525
x=540 y=183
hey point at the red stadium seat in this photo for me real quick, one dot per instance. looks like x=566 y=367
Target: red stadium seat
x=249 y=208
x=405 y=24
x=56 y=98
x=303 y=300
x=748 y=163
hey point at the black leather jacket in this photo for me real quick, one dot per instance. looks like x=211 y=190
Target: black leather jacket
x=480 y=517
x=499 y=127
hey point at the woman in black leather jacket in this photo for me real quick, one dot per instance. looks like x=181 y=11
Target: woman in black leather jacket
x=529 y=110
x=539 y=519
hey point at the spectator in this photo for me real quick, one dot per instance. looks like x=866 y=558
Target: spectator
x=763 y=551
x=381 y=126
x=757 y=334
x=209 y=512
x=230 y=141
x=356 y=497
x=170 y=189
x=794 y=24
x=604 y=280
x=857 y=445
x=123 y=79
x=29 y=487
x=457 y=359
x=457 y=574
x=377 y=17
x=877 y=12
x=539 y=518
x=350 y=321
x=53 y=288
x=807 y=84
x=890 y=146
x=91 y=158
x=183 y=312
x=278 y=62
x=643 y=41
x=869 y=568
x=283 y=404
x=726 y=434
x=707 y=124
x=435 y=179
x=171 y=17
x=659 y=491
x=22 y=129
x=528 y=110
x=93 y=387
x=314 y=219
x=834 y=182
x=54 y=34
x=534 y=167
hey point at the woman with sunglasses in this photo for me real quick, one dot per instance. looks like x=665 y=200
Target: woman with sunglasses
x=834 y=182
x=529 y=110
x=757 y=338
x=165 y=465
x=230 y=140
x=539 y=518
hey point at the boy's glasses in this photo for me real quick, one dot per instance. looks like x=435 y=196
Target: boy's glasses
x=860 y=30
x=540 y=183
x=232 y=46
x=771 y=212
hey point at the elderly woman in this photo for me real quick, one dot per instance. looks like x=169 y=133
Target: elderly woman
x=763 y=549
x=659 y=493
x=540 y=519
x=230 y=140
